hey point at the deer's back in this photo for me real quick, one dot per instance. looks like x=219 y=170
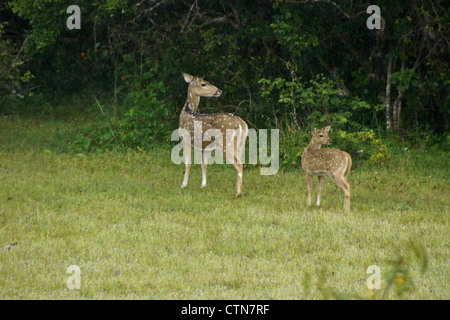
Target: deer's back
x=217 y=121
x=325 y=161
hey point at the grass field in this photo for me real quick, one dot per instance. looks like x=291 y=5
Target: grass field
x=135 y=234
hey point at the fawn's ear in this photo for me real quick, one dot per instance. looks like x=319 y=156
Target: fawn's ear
x=187 y=77
x=314 y=131
x=327 y=128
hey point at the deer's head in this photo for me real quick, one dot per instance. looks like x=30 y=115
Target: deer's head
x=320 y=137
x=200 y=87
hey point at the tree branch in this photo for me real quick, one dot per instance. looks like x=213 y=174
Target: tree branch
x=145 y=11
x=346 y=14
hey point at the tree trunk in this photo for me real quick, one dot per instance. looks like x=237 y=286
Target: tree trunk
x=397 y=106
x=388 y=96
x=396 y=110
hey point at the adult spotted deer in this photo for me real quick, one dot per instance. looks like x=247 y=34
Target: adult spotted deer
x=320 y=162
x=229 y=131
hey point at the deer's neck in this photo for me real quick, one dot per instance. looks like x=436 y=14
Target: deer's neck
x=192 y=101
x=314 y=146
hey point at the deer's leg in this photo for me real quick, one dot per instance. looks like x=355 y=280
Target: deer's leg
x=239 y=165
x=347 y=195
x=309 y=180
x=205 y=157
x=349 y=166
x=319 y=188
x=345 y=186
x=233 y=158
x=239 y=169
x=188 y=161
x=347 y=191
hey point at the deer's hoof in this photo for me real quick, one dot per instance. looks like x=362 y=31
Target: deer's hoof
x=239 y=195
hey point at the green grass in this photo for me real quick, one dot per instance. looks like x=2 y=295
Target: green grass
x=124 y=220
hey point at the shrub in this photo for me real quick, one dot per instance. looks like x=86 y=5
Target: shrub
x=14 y=78
x=316 y=102
x=292 y=145
x=144 y=121
x=365 y=147
x=139 y=126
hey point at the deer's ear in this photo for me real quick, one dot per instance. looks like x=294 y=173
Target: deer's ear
x=187 y=77
x=314 y=131
x=327 y=128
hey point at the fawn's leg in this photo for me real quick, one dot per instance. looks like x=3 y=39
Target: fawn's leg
x=347 y=195
x=344 y=185
x=319 y=188
x=309 y=180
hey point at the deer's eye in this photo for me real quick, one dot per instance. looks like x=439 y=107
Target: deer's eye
x=321 y=135
x=203 y=84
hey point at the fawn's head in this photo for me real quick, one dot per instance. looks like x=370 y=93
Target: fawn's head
x=320 y=136
x=200 y=87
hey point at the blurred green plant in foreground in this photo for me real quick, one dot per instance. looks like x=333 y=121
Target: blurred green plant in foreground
x=396 y=283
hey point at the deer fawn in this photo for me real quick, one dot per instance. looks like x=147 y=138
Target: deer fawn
x=219 y=122
x=320 y=162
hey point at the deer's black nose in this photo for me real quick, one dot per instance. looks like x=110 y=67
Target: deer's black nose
x=218 y=92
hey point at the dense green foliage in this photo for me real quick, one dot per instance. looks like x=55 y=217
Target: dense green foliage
x=292 y=65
